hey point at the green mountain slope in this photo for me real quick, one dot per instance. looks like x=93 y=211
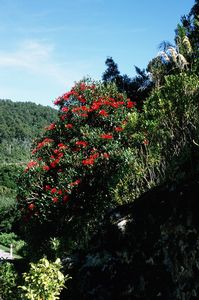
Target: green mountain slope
x=20 y=123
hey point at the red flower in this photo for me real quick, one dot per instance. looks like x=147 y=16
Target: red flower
x=51 y=126
x=82 y=86
x=59 y=192
x=83 y=115
x=88 y=161
x=31 y=206
x=95 y=105
x=115 y=104
x=106 y=155
x=118 y=129
x=46 y=168
x=61 y=145
x=94 y=156
x=30 y=165
x=81 y=143
x=53 y=164
x=48 y=187
x=81 y=99
x=58 y=101
x=66 y=96
x=63 y=117
x=65 y=109
x=106 y=136
x=55 y=200
x=103 y=113
x=53 y=191
x=84 y=108
x=69 y=126
x=130 y=104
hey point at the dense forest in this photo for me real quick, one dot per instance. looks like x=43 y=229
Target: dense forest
x=20 y=123
x=108 y=202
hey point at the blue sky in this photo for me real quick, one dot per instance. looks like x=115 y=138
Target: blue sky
x=47 y=45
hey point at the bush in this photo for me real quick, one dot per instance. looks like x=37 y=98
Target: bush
x=9 y=216
x=169 y=129
x=43 y=281
x=8 y=281
x=67 y=186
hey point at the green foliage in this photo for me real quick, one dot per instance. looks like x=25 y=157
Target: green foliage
x=136 y=88
x=8 y=281
x=9 y=174
x=43 y=281
x=29 y=119
x=6 y=239
x=169 y=129
x=77 y=175
x=9 y=216
x=16 y=133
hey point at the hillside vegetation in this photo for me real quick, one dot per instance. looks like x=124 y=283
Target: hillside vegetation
x=20 y=123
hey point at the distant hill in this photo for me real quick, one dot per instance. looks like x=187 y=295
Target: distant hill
x=20 y=123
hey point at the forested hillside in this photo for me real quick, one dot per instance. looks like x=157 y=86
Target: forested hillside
x=20 y=123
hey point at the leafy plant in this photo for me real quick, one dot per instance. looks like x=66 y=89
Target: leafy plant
x=43 y=281
x=168 y=127
x=8 y=281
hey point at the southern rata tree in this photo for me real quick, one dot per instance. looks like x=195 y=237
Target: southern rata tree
x=67 y=184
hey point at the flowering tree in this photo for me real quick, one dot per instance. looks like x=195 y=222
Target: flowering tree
x=79 y=158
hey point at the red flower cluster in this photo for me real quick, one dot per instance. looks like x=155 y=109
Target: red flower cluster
x=40 y=145
x=118 y=129
x=90 y=160
x=31 y=206
x=65 y=109
x=30 y=165
x=81 y=143
x=106 y=136
x=51 y=126
x=68 y=126
x=103 y=113
x=131 y=104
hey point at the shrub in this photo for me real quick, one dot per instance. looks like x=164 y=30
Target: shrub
x=67 y=185
x=43 y=281
x=8 y=281
x=9 y=216
x=169 y=129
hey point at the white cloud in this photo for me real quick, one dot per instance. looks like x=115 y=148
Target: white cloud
x=29 y=55
x=33 y=70
x=37 y=57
